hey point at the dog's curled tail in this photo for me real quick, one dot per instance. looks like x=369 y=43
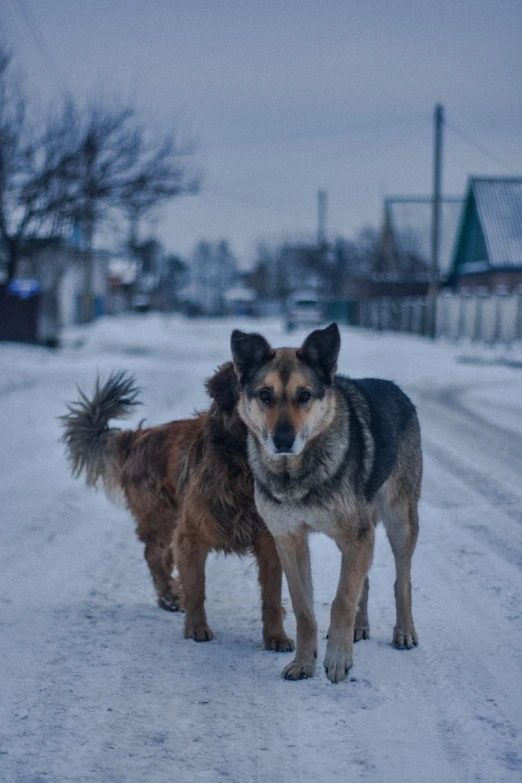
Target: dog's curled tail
x=90 y=442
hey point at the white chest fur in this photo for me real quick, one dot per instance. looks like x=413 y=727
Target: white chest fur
x=290 y=515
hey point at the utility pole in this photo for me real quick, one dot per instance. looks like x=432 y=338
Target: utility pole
x=435 y=219
x=322 y=197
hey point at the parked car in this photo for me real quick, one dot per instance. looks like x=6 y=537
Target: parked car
x=303 y=308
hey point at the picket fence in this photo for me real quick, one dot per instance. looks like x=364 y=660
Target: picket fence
x=489 y=318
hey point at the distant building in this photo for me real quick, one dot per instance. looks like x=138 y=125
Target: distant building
x=488 y=250
x=400 y=258
x=73 y=283
x=122 y=275
x=405 y=239
x=70 y=284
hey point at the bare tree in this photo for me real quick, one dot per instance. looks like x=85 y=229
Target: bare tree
x=175 y=277
x=31 y=196
x=113 y=163
x=214 y=270
x=161 y=171
x=225 y=269
x=264 y=276
x=87 y=165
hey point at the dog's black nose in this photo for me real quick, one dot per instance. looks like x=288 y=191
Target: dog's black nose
x=284 y=437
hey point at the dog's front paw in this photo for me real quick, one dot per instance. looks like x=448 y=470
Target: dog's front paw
x=337 y=663
x=299 y=669
x=405 y=638
x=281 y=643
x=200 y=633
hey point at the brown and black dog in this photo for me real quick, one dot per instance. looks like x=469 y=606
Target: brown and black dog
x=190 y=489
x=330 y=454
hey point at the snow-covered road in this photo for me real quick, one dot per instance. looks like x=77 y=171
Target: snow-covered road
x=97 y=683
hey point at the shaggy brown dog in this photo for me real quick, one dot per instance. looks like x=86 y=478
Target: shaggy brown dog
x=190 y=489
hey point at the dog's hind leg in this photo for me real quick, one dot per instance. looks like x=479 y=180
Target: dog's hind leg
x=402 y=526
x=175 y=597
x=191 y=556
x=361 y=628
x=160 y=561
x=295 y=559
x=270 y=580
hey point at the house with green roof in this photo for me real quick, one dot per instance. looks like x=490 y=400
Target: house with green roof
x=488 y=248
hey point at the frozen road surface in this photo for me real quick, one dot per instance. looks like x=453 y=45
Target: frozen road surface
x=97 y=683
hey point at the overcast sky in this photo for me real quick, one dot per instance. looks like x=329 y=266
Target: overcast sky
x=287 y=97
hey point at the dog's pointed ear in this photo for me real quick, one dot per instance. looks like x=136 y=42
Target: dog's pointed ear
x=320 y=351
x=223 y=387
x=249 y=352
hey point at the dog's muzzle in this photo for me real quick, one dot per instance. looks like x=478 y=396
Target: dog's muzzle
x=283 y=439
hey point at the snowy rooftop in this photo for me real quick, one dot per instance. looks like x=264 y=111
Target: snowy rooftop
x=499 y=206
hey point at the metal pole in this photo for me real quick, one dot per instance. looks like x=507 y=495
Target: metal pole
x=321 y=217
x=321 y=235
x=435 y=223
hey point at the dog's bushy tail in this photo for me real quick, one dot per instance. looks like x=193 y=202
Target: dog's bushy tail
x=90 y=442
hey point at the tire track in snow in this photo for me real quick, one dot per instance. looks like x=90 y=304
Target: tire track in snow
x=476 y=730
x=444 y=415
x=478 y=481
x=482 y=457
x=503 y=539
x=451 y=684
x=297 y=744
x=499 y=497
x=510 y=442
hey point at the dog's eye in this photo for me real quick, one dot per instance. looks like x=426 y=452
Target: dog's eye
x=304 y=397
x=265 y=396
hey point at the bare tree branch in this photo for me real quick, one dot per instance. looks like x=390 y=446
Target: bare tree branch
x=84 y=165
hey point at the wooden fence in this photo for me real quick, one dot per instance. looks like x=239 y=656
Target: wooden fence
x=480 y=317
x=399 y=315
x=486 y=318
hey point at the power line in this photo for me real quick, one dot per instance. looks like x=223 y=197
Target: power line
x=478 y=146
x=41 y=45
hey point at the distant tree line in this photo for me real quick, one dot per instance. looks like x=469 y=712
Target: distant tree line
x=327 y=269
x=323 y=268
x=161 y=275
x=214 y=271
x=196 y=285
x=83 y=165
